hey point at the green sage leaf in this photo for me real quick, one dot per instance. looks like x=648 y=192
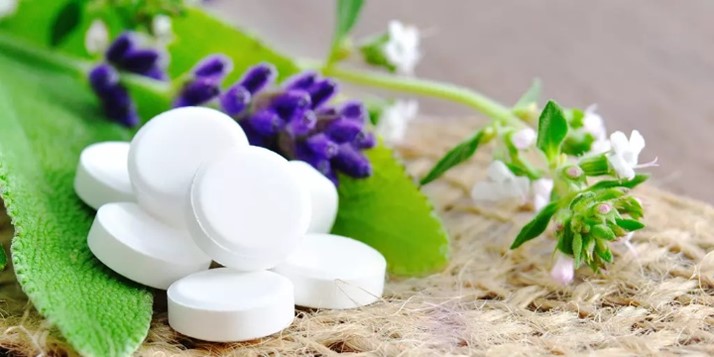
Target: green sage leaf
x=66 y=21
x=460 y=153
x=48 y=116
x=552 y=130
x=388 y=212
x=602 y=231
x=537 y=226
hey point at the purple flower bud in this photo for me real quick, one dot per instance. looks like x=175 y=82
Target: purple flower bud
x=290 y=103
x=302 y=123
x=235 y=100
x=354 y=110
x=258 y=77
x=103 y=78
x=254 y=138
x=364 y=140
x=121 y=45
x=604 y=208
x=196 y=92
x=119 y=107
x=266 y=122
x=319 y=162
x=322 y=91
x=343 y=130
x=301 y=81
x=139 y=61
x=321 y=145
x=215 y=67
x=115 y=99
x=155 y=73
x=352 y=162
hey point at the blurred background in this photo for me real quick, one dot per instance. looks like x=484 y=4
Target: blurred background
x=648 y=64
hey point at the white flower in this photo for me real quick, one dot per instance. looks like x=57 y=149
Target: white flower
x=501 y=184
x=96 y=39
x=7 y=8
x=393 y=122
x=402 y=48
x=624 y=155
x=161 y=28
x=524 y=138
x=563 y=271
x=593 y=123
x=542 y=189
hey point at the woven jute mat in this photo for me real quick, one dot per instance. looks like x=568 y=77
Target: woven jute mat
x=655 y=299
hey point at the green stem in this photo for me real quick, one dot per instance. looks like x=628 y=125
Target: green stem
x=71 y=65
x=427 y=88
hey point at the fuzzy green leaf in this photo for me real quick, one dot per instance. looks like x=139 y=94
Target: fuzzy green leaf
x=460 y=153
x=537 y=226
x=532 y=95
x=634 y=182
x=552 y=130
x=388 y=212
x=48 y=116
x=347 y=15
x=629 y=224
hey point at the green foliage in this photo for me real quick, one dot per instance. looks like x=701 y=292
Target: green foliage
x=537 y=226
x=552 y=129
x=531 y=96
x=632 y=183
x=66 y=21
x=388 y=212
x=460 y=153
x=347 y=15
x=48 y=116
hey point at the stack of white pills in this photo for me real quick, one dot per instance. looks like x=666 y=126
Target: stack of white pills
x=189 y=190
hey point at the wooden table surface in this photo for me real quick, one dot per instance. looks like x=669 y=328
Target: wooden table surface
x=648 y=64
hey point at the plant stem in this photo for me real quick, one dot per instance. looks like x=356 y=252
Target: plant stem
x=428 y=88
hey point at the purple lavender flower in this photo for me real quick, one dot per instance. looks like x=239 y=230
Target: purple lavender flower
x=125 y=55
x=297 y=122
x=205 y=82
x=115 y=99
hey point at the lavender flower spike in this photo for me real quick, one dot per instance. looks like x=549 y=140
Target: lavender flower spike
x=235 y=100
x=124 y=55
x=352 y=162
x=322 y=91
x=258 y=77
x=302 y=81
x=215 y=66
x=197 y=92
x=115 y=99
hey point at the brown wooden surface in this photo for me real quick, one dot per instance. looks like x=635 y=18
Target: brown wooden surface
x=648 y=64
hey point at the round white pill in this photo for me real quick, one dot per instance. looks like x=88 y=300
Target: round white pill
x=248 y=210
x=102 y=175
x=323 y=195
x=141 y=248
x=224 y=305
x=334 y=272
x=167 y=151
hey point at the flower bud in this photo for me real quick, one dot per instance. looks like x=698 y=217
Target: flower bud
x=266 y=122
x=235 y=100
x=563 y=271
x=215 y=66
x=352 y=162
x=322 y=145
x=322 y=91
x=258 y=77
x=343 y=130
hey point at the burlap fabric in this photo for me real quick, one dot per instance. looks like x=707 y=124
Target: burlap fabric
x=655 y=299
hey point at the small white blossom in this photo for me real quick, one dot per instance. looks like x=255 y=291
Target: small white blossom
x=593 y=123
x=501 y=184
x=7 y=8
x=563 y=271
x=402 y=48
x=96 y=39
x=625 y=153
x=524 y=138
x=595 y=126
x=161 y=28
x=541 y=190
x=393 y=122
